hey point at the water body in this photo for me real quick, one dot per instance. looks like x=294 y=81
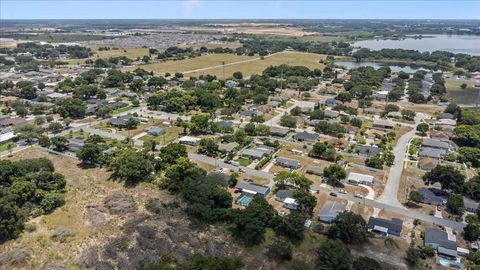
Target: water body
x=375 y=65
x=468 y=44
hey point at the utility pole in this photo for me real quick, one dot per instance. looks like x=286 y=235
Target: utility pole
x=281 y=78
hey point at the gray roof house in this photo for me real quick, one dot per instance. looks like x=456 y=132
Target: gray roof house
x=253 y=153
x=445 y=116
x=329 y=114
x=279 y=131
x=330 y=210
x=282 y=194
x=228 y=147
x=470 y=205
x=252 y=188
x=385 y=227
x=288 y=163
x=437 y=144
x=432 y=152
x=306 y=136
x=433 y=196
x=315 y=170
x=439 y=240
x=368 y=150
x=75 y=144
x=155 y=131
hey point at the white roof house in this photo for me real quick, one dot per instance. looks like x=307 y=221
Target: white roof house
x=189 y=140
x=7 y=136
x=358 y=178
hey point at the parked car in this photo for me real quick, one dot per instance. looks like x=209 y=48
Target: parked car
x=242 y=170
x=358 y=195
x=343 y=191
x=333 y=194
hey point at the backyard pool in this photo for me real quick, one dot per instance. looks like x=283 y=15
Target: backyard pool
x=244 y=200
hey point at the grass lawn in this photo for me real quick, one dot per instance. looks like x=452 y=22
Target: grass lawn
x=462 y=96
x=132 y=53
x=255 y=66
x=124 y=109
x=171 y=134
x=244 y=161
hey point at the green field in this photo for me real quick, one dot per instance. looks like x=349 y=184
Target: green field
x=455 y=93
x=248 y=65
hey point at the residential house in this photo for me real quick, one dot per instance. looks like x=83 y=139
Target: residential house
x=6 y=136
x=435 y=143
x=358 y=178
x=440 y=241
x=470 y=205
x=253 y=154
x=427 y=163
x=288 y=163
x=432 y=153
x=331 y=115
x=433 y=196
x=252 y=188
x=155 y=131
x=228 y=147
x=441 y=135
x=316 y=170
x=446 y=122
x=75 y=144
x=330 y=211
x=306 y=136
x=383 y=124
x=188 y=140
x=385 y=227
x=445 y=116
x=12 y=122
x=283 y=194
x=330 y=102
x=279 y=131
x=368 y=150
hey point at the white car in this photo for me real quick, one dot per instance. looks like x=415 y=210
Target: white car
x=358 y=195
x=343 y=191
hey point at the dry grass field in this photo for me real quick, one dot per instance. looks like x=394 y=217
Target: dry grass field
x=455 y=93
x=248 y=65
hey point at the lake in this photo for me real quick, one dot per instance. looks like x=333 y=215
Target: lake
x=375 y=65
x=453 y=43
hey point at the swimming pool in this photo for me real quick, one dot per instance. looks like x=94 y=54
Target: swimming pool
x=450 y=263
x=244 y=200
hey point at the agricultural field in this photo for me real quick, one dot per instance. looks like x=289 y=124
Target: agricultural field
x=461 y=96
x=248 y=65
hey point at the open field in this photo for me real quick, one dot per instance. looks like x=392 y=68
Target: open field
x=461 y=96
x=309 y=60
x=200 y=62
x=248 y=65
x=132 y=53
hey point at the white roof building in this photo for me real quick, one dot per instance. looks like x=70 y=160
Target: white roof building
x=358 y=178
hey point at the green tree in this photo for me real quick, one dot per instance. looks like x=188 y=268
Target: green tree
x=375 y=162
x=55 y=127
x=208 y=147
x=291 y=226
x=448 y=176
x=323 y=150
x=249 y=225
x=305 y=200
x=59 y=143
x=333 y=254
x=344 y=97
x=423 y=128
x=408 y=114
x=415 y=196
x=288 y=121
x=199 y=123
x=471 y=232
x=12 y=221
x=90 y=153
x=455 y=204
x=28 y=132
x=413 y=256
x=131 y=166
x=351 y=228
x=238 y=75
x=334 y=173
x=171 y=152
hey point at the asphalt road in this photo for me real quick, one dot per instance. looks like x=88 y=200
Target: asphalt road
x=390 y=193
x=372 y=203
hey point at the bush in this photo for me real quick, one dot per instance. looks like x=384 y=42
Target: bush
x=280 y=250
x=52 y=201
x=263 y=162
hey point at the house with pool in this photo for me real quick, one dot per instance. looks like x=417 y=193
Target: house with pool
x=248 y=190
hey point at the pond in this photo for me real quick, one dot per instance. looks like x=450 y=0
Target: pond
x=468 y=44
x=375 y=65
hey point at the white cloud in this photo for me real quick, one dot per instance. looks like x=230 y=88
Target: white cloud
x=188 y=7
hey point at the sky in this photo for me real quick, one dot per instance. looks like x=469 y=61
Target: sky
x=239 y=9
